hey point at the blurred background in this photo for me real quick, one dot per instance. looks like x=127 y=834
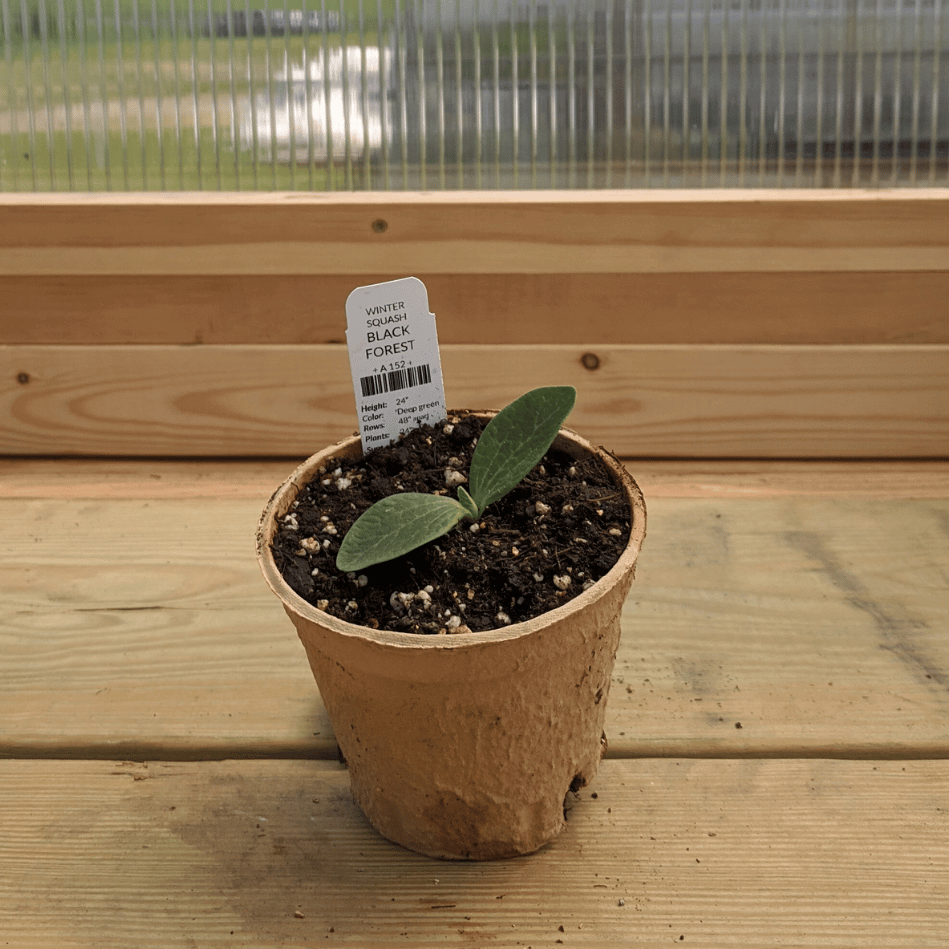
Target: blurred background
x=148 y=95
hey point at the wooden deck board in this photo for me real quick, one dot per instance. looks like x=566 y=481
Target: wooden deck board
x=533 y=232
x=661 y=401
x=737 y=308
x=138 y=625
x=707 y=853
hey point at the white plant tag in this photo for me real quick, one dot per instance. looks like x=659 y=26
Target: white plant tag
x=393 y=354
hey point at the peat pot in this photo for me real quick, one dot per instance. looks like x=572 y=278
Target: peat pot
x=465 y=746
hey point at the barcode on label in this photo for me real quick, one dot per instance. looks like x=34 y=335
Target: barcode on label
x=395 y=380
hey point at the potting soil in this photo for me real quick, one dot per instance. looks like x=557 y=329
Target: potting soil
x=559 y=531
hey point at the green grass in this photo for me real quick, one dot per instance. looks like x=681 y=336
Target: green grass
x=115 y=68
x=73 y=78
x=52 y=88
x=148 y=163
x=75 y=15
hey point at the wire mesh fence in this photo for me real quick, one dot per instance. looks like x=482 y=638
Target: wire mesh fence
x=142 y=95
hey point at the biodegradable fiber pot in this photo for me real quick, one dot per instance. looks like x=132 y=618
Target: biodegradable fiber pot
x=465 y=746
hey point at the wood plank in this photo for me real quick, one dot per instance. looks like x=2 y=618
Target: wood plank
x=708 y=853
x=142 y=627
x=160 y=478
x=476 y=232
x=878 y=480
x=135 y=644
x=785 y=612
x=716 y=401
x=708 y=308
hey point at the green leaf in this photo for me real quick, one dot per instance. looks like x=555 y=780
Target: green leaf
x=512 y=443
x=515 y=440
x=396 y=525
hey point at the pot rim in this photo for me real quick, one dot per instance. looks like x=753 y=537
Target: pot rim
x=281 y=499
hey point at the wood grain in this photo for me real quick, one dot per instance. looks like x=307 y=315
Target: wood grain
x=707 y=853
x=475 y=232
x=784 y=668
x=143 y=628
x=616 y=308
x=673 y=401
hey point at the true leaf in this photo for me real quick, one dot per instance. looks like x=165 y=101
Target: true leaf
x=468 y=502
x=515 y=440
x=396 y=525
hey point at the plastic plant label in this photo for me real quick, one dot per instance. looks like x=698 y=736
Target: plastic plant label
x=393 y=354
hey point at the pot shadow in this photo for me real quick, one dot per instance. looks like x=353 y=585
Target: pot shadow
x=282 y=846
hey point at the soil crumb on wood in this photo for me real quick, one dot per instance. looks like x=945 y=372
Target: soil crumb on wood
x=553 y=536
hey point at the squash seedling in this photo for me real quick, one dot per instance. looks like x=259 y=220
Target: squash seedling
x=512 y=443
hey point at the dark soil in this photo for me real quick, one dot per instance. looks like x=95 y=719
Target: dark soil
x=553 y=536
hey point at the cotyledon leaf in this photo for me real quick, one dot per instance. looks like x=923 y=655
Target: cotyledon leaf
x=396 y=525
x=512 y=443
x=515 y=440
